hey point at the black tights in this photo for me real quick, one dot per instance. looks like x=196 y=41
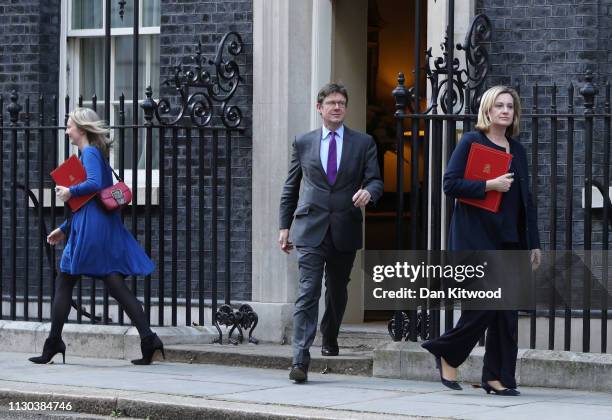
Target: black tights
x=117 y=289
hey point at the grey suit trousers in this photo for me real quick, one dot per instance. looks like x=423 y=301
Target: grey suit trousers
x=313 y=262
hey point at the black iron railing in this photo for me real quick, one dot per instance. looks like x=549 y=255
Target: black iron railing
x=195 y=131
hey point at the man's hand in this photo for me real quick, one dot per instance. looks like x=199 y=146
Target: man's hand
x=63 y=193
x=361 y=198
x=536 y=259
x=283 y=240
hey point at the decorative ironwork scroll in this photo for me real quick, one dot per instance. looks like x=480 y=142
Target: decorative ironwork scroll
x=466 y=85
x=215 y=81
x=403 y=332
x=242 y=319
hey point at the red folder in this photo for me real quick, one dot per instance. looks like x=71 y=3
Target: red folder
x=484 y=163
x=70 y=173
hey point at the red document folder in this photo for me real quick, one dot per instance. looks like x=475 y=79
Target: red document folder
x=486 y=163
x=70 y=173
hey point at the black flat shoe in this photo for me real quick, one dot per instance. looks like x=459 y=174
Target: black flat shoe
x=51 y=348
x=454 y=385
x=508 y=392
x=149 y=345
x=299 y=373
x=329 y=351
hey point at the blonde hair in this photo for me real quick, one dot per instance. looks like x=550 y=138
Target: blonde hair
x=94 y=127
x=486 y=103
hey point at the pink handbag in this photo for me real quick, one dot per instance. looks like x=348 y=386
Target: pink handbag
x=116 y=196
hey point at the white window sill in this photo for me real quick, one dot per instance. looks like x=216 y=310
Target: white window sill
x=59 y=203
x=596 y=197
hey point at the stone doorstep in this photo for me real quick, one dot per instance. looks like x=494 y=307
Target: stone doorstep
x=540 y=368
x=89 y=340
x=271 y=356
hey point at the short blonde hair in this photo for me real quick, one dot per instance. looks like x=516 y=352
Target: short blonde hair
x=87 y=120
x=486 y=103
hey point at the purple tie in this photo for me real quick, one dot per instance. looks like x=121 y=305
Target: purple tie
x=332 y=169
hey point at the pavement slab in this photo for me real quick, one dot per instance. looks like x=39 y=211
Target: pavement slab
x=182 y=390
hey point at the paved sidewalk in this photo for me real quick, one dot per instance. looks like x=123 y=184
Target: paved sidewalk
x=182 y=390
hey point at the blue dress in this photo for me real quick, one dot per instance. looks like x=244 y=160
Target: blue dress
x=99 y=244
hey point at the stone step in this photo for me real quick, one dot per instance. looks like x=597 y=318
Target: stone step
x=362 y=337
x=349 y=362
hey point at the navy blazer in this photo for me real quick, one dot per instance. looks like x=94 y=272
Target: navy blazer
x=473 y=228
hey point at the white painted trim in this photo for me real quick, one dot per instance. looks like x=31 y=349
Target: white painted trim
x=71 y=87
x=322 y=13
x=59 y=203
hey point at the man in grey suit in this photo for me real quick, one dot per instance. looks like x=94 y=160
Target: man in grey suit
x=339 y=173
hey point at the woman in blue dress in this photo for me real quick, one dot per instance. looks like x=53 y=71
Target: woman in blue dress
x=98 y=245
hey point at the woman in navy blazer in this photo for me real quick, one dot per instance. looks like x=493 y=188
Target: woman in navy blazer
x=513 y=227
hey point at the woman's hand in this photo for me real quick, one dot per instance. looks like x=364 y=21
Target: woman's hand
x=536 y=259
x=63 y=193
x=56 y=236
x=501 y=183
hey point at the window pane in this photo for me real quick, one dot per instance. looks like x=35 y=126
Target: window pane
x=123 y=66
x=91 y=68
x=128 y=15
x=86 y=14
x=151 y=13
x=99 y=109
x=127 y=145
x=154 y=81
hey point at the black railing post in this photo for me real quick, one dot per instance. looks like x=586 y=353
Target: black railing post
x=553 y=216
x=588 y=91
x=120 y=153
x=148 y=107
x=534 y=192
x=26 y=210
x=41 y=201
x=606 y=216
x=400 y=93
x=569 y=215
x=14 y=109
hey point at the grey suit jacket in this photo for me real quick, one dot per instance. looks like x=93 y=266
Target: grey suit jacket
x=320 y=205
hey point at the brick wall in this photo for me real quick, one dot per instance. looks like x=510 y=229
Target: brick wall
x=552 y=42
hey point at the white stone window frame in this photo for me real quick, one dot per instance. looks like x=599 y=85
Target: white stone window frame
x=71 y=87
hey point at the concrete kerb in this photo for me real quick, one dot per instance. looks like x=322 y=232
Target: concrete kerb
x=162 y=406
x=541 y=368
x=94 y=340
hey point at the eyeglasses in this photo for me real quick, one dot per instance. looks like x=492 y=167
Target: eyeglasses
x=333 y=104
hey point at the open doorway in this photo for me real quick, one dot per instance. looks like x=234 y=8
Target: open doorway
x=391 y=49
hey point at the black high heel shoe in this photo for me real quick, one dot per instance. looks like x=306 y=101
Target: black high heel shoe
x=149 y=345
x=508 y=392
x=51 y=348
x=454 y=385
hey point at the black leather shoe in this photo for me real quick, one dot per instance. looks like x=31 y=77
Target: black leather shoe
x=52 y=347
x=149 y=345
x=299 y=373
x=454 y=385
x=508 y=392
x=329 y=351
